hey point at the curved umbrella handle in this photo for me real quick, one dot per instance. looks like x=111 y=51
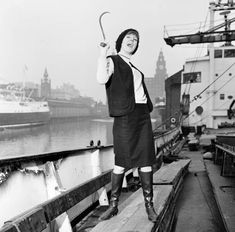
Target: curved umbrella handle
x=102 y=29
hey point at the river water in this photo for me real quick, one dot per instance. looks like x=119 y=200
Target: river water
x=57 y=135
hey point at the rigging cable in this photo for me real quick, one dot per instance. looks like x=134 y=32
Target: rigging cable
x=198 y=95
x=197 y=55
x=212 y=96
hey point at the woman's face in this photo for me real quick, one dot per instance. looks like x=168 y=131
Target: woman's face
x=129 y=43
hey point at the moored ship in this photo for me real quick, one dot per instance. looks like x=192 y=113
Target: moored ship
x=207 y=82
x=17 y=110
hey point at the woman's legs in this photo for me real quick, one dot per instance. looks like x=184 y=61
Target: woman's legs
x=146 y=169
x=118 y=169
x=117 y=179
x=146 y=178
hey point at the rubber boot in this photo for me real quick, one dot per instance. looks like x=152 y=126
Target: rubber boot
x=146 y=179
x=117 y=180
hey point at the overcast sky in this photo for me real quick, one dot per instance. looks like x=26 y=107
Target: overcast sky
x=63 y=35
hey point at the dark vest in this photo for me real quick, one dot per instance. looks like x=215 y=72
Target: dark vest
x=120 y=89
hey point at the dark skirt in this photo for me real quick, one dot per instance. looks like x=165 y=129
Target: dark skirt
x=133 y=139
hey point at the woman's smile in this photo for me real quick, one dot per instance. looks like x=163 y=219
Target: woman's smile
x=129 y=43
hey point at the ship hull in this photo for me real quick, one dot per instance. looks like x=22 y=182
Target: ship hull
x=23 y=113
x=23 y=119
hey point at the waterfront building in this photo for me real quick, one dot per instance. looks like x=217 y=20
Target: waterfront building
x=66 y=102
x=66 y=92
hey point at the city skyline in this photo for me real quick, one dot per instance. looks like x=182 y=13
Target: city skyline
x=64 y=36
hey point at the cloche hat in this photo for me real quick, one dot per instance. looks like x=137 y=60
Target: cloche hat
x=121 y=37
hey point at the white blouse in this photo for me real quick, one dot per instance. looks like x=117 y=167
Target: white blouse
x=140 y=96
x=104 y=75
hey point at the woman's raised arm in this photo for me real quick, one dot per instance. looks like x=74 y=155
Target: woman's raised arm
x=105 y=66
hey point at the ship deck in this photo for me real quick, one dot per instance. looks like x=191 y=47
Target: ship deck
x=205 y=202
x=190 y=194
x=197 y=208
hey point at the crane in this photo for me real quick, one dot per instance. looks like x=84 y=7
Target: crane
x=211 y=35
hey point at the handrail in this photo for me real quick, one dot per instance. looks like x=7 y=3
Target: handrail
x=49 y=156
x=225 y=149
x=39 y=216
x=166 y=133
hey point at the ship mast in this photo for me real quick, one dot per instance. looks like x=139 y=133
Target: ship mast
x=211 y=50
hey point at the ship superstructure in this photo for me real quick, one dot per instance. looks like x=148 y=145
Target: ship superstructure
x=207 y=82
x=16 y=110
x=209 y=102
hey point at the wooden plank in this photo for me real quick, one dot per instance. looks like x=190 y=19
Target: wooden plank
x=178 y=147
x=128 y=208
x=223 y=197
x=171 y=173
x=8 y=228
x=228 y=168
x=33 y=221
x=133 y=216
x=218 y=159
x=178 y=188
x=63 y=202
x=167 y=219
x=226 y=150
x=166 y=216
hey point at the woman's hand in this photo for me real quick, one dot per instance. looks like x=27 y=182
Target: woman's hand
x=104 y=47
x=103 y=44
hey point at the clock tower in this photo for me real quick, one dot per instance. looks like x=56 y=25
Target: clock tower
x=160 y=76
x=156 y=84
x=45 y=85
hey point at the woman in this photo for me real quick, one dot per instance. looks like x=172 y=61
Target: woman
x=130 y=105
